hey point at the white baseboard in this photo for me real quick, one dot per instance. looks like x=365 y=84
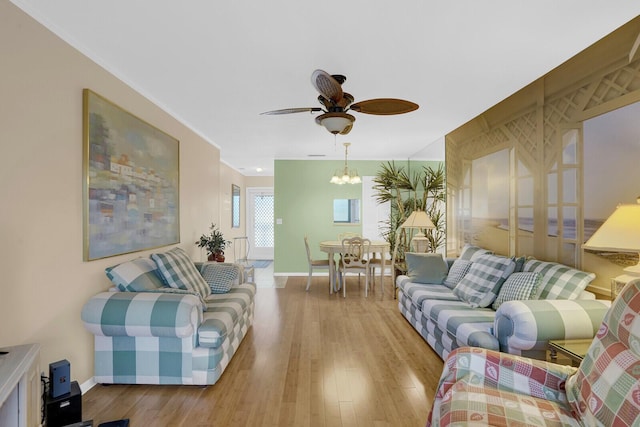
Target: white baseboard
x=87 y=385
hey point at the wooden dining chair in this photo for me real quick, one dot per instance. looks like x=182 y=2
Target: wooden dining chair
x=376 y=262
x=355 y=256
x=317 y=263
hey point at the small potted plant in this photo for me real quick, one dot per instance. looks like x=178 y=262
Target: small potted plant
x=214 y=243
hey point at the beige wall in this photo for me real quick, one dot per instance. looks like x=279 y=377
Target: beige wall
x=45 y=281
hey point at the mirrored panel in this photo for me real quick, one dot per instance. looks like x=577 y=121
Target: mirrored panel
x=235 y=206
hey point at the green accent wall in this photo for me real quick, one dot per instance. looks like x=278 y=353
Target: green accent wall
x=303 y=200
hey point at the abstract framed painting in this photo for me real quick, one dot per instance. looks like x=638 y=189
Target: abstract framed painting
x=131 y=182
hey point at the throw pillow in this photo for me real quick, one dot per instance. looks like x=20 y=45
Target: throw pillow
x=519 y=264
x=517 y=287
x=470 y=252
x=458 y=270
x=138 y=275
x=426 y=268
x=557 y=280
x=219 y=277
x=482 y=283
x=178 y=271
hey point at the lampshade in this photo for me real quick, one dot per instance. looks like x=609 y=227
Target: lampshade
x=345 y=176
x=336 y=122
x=619 y=233
x=420 y=220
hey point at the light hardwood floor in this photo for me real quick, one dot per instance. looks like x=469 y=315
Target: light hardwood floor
x=310 y=359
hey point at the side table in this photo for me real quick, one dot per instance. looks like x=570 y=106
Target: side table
x=575 y=350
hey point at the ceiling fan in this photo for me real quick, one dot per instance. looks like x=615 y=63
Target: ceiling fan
x=336 y=103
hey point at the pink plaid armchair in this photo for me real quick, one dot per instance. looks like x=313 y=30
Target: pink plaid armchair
x=485 y=387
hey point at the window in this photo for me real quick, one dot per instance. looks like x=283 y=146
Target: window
x=346 y=211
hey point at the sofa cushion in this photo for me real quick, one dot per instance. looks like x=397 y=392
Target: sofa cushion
x=463 y=324
x=178 y=271
x=168 y=290
x=223 y=311
x=136 y=275
x=558 y=281
x=458 y=270
x=419 y=292
x=517 y=287
x=470 y=252
x=426 y=268
x=482 y=283
x=219 y=277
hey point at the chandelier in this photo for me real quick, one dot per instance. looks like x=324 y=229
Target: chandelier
x=345 y=176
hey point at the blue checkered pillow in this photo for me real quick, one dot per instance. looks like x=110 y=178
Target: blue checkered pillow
x=458 y=270
x=482 y=283
x=178 y=271
x=517 y=287
x=138 y=275
x=220 y=277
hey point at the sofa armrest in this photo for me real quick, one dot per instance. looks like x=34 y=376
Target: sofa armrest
x=484 y=367
x=525 y=327
x=142 y=314
x=476 y=370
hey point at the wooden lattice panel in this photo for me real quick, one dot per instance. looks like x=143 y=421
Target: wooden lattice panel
x=616 y=84
x=523 y=131
x=563 y=109
x=484 y=144
x=453 y=164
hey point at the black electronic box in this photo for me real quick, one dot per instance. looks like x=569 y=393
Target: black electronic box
x=65 y=409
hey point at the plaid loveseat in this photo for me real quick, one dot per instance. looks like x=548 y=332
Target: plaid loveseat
x=453 y=311
x=164 y=335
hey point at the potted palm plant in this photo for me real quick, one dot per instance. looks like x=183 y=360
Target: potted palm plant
x=214 y=243
x=422 y=189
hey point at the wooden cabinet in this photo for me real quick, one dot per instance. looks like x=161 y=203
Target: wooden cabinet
x=20 y=391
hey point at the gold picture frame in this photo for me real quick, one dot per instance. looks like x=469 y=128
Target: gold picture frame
x=131 y=182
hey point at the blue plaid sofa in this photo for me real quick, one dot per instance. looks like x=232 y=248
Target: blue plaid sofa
x=494 y=302
x=168 y=320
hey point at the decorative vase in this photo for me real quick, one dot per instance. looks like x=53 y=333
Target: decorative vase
x=219 y=256
x=211 y=257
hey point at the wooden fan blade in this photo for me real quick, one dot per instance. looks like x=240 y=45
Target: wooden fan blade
x=291 y=111
x=384 y=106
x=327 y=86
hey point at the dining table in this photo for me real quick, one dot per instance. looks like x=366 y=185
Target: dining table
x=333 y=247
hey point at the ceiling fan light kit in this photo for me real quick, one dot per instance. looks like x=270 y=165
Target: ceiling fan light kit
x=336 y=123
x=336 y=103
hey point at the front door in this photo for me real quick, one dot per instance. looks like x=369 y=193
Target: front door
x=260 y=222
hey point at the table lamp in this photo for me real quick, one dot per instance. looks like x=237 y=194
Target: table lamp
x=417 y=219
x=619 y=233
x=420 y=220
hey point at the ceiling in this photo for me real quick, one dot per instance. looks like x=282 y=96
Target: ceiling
x=216 y=65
